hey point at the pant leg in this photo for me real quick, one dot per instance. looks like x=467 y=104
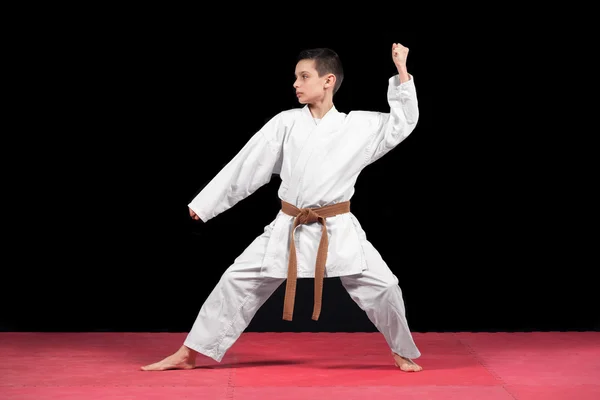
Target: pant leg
x=377 y=292
x=233 y=302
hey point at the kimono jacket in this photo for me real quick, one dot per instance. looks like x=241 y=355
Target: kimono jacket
x=318 y=165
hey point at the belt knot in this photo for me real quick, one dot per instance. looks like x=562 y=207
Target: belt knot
x=308 y=216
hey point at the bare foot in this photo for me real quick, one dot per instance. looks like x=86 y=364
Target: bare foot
x=406 y=364
x=184 y=358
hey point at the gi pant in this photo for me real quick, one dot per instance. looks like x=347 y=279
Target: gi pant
x=242 y=290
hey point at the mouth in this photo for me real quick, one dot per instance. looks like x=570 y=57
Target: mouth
x=298 y=94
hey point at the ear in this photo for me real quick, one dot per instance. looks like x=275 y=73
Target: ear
x=330 y=80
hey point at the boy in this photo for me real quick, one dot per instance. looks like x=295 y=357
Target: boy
x=318 y=153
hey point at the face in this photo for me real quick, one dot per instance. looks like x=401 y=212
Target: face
x=310 y=88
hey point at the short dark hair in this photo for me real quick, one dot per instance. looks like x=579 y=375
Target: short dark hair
x=326 y=61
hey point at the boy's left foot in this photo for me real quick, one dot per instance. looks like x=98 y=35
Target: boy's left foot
x=406 y=364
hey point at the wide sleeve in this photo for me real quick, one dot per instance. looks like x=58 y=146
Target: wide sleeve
x=390 y=129
x=251 y=168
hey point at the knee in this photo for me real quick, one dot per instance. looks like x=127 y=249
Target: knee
x=382 y=292
x=231 y=275
x=390 y=288
x=229 y=278
x=242 y=274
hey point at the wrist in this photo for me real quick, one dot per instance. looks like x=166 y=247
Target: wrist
x=403 y=74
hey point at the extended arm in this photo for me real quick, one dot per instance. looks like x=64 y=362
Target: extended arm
x=251 y=168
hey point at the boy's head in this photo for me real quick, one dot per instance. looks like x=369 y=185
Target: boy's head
x=317 y=72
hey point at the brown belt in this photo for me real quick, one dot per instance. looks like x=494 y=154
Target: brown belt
x=307 y=216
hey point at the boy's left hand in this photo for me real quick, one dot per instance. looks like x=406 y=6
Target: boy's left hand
x=399 y=55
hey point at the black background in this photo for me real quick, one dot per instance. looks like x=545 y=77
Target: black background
x=485 y=213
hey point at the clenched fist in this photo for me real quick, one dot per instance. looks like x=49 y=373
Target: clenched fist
x=399 y=55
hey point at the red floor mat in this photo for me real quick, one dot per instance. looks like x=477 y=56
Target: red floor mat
x=331 y=366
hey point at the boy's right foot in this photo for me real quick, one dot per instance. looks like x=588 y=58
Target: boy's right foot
x=184 y=358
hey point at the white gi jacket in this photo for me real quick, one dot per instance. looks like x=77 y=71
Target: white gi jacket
x=318 y=165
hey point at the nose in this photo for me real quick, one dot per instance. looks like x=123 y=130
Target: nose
x=296 y=85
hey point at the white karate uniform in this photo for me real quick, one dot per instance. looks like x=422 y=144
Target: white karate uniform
x=318 y=165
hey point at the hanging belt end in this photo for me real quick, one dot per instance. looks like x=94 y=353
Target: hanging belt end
x=316 y=314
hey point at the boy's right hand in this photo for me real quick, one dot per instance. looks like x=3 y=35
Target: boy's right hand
x=194 y=215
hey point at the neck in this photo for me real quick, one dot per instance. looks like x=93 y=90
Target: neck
x=319 y=109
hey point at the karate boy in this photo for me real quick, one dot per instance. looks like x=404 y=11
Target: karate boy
x=318 y=152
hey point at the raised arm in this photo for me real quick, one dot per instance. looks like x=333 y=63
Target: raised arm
x=393 y=127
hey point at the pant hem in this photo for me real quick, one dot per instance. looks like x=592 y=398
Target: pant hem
x=208 y=353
